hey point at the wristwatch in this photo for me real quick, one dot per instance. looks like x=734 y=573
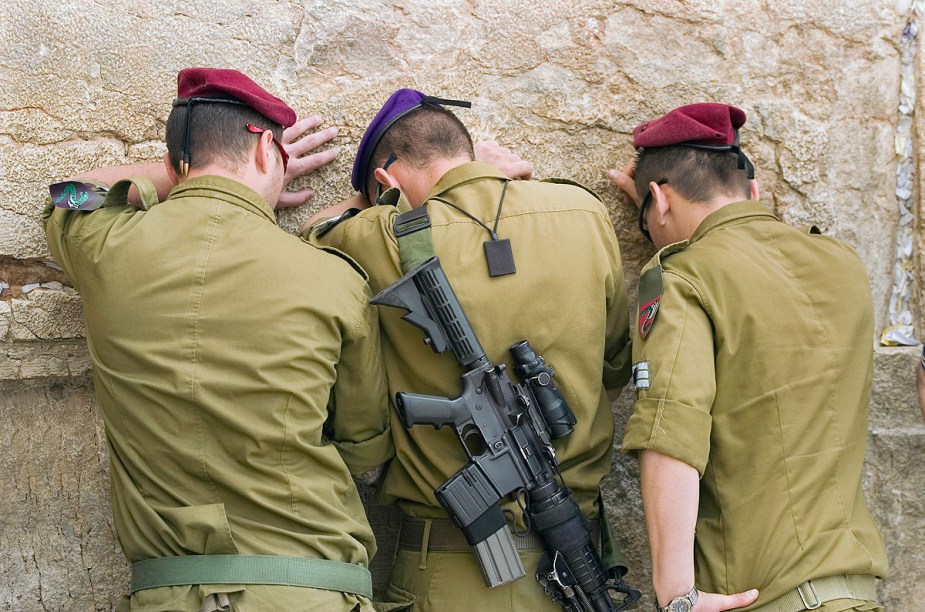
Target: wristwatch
x=684 y=603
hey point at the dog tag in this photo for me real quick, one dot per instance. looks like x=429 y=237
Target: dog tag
x=500 y=257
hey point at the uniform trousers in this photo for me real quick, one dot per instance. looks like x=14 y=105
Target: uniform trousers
x=252 y=598
x=452 y=582
x=841 y=605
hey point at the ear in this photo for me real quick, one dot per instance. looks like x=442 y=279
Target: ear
x=659 y=202
x=264 y=152
x=171 y=173
x=753 y=190
x=385 y=179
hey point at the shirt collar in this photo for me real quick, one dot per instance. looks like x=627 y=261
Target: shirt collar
x=394 y=197
x=225 y=189
x=460 y=175
x=731 y=214
x=465 y=173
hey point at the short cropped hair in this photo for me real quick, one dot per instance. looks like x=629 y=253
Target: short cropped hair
x=698 y=175
x=217 y=134
x=421 y=137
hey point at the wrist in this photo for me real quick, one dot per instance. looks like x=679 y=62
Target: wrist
x=667 y=588
x=681 y=603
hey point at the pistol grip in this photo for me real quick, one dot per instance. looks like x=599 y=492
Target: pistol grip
x=416 y=409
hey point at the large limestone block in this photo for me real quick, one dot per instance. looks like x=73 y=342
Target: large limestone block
x=37 y=360
x=57 y=549
x=45 y=313
x=894 y=480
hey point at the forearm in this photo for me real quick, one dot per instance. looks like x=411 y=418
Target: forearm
x=670 y=496
x=357 y=201
x=156 y=172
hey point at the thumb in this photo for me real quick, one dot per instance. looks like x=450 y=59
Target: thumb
x=740 y=600
x=292 y=199
x=617 y=178
x=625 y=182
x=714 y=602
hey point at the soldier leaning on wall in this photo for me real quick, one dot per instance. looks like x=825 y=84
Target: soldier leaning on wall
x=527 y=259
x=752 y=363
x=237 y=367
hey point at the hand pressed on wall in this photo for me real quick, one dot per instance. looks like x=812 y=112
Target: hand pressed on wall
x=623 y=179
x=508 y=162
x=299 y=142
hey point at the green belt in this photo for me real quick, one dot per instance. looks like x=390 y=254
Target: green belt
x=252 y=569
x=813 y=593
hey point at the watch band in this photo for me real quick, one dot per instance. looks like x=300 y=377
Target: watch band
x=684 y=603
x=923 y=357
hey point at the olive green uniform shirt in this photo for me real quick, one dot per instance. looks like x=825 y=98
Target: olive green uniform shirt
x=760 y=363
x=567 y=298
x=239 y=374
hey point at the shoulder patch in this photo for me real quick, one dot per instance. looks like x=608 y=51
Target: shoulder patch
x=77 y=195
x=359 y=269
x=650 y=296
x=650 y=287
x=563 y=181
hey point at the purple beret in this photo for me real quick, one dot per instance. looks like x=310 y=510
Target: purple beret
x=707 y=124
x=397 y=106
x=208 y=82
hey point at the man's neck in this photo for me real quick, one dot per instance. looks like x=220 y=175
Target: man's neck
x=213 y=170
x=697 y=212
x=442 y=166
x=427 y=178
x=246 y=177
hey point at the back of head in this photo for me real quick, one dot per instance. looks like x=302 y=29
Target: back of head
x=695 y=149
x=413 y=126
x=217 y=135
x=697 y=175
x=209 y=123
x=423 y=136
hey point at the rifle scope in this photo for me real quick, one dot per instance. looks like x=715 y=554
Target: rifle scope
x=532 y=369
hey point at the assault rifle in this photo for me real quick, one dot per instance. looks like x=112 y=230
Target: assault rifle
x=507 y=432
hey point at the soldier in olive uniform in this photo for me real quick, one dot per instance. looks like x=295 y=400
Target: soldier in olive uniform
x=563 y=291
x=237 y=367
x=752 y=367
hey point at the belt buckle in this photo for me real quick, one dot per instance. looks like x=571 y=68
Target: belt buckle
x=814 y=604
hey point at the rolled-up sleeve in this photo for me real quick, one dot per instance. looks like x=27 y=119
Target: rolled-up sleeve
x=672 y=416
x=64 y=228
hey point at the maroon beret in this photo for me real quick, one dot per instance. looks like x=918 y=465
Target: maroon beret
x=208 y=82
x=707 y=124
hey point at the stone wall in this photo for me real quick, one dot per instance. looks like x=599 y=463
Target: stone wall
x=89 y=83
